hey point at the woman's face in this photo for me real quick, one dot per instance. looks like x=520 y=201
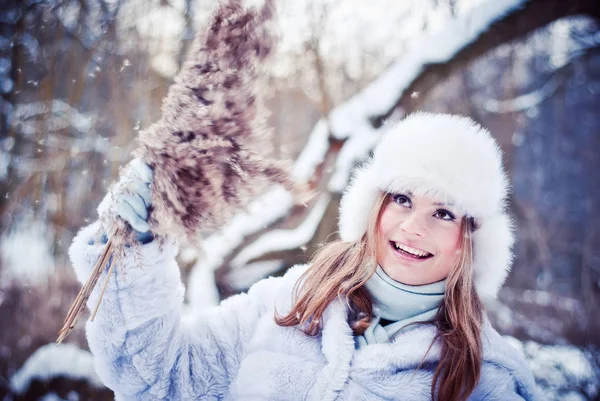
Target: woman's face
x=418 y=239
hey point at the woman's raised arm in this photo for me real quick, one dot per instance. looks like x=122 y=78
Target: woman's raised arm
x=143 y=347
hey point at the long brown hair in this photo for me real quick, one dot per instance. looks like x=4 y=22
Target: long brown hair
x=340 y=270
x=459 y=322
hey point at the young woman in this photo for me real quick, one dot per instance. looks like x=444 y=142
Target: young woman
x=393 y=311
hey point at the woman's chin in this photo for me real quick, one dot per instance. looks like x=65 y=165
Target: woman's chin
x=404 y=274
x=411 y=273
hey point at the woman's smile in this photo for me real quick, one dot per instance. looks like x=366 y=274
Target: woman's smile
x=409 y=253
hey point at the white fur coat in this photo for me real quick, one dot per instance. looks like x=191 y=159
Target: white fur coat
x=145 y=350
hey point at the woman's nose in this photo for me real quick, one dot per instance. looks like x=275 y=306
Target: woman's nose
x=414 y=224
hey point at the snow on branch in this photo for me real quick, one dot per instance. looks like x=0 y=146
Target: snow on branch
x=354 y=150
x=260 y=213
x=543 y=299
x=56 y=360
x=50 y=118
x=242 y=279
x=62 y=116
x=243 y=274
x=313 y=153
x=355 y=117
x=439 y=46
x=522 y=102
x=26 y=253
x=532 y=99
x=282 y=240
x=562 y=372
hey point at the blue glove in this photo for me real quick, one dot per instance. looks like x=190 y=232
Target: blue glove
x=131 y=198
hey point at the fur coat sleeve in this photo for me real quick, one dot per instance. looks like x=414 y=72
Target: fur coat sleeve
x=143 y=348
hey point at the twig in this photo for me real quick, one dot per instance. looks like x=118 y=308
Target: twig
x=85 y=292
x=110 y=270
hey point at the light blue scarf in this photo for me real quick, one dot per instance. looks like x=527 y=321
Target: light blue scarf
x=399 y=303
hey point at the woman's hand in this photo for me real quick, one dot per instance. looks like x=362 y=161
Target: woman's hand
x=131 y=198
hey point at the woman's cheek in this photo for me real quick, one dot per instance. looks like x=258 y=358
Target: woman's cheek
x=449 y=239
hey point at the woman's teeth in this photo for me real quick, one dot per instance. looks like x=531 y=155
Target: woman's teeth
x=411 y=251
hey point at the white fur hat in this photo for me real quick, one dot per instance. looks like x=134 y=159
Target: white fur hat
x=450 y=158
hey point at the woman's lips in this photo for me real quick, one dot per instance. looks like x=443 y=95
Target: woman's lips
x=407 y=256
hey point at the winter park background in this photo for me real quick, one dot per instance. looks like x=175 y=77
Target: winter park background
x=79 y=78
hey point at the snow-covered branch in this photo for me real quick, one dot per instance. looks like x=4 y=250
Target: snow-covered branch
x=537 y=96
x=281 y=240
x=242 y=279
x=432 y=47
x=354 y=119
x=67 y=116
x=262 y=212
x=522 y=102
x=53 y=116
x=56 y=360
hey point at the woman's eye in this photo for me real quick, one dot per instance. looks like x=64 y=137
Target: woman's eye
x=402 y=200
x=444 y=215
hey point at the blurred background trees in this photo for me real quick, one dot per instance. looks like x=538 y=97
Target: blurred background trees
x=79 y=78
